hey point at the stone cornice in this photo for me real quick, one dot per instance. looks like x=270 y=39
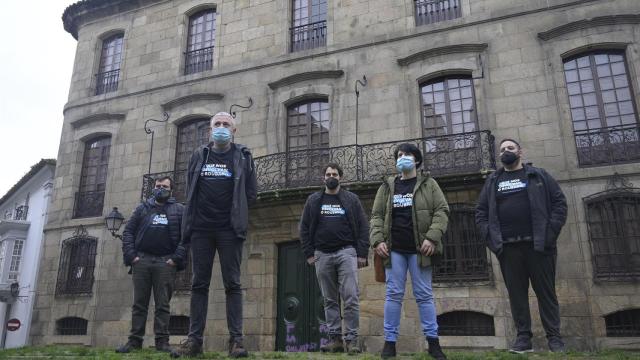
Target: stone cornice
x=190 y=98
x=444 y=50
x=589 y=23
x=86 y=10
x=97 y=117
x=305 y=76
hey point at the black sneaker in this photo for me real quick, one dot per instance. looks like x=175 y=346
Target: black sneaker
x=352 y=347
x=189 y=348
x=129 y=346
x=334 y=345
x=163 y=346
x=236 y=349
x=522 y=345
x=389 y=350
x=556 y=344
x=435 y=350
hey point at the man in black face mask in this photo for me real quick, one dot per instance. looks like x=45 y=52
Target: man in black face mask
x=520 y=213
x=334 y=232
x=151 y=246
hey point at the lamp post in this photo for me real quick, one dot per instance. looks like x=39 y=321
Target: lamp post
x=152 y=132
x=114 y=221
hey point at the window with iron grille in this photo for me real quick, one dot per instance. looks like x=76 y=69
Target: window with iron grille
x=71 y=326
x=183 y=278
x=191 y=134
x=200 y=42
x=625 y=323
x=178 y=325
x=16 y=259
x=465 y=256
x=603 y=111
x=307 y=141
x=109 y=69
x=614 y=233
x=77 y=262
x=89 y=199
x=309 y=22
x=433 y=11
x=465 y=323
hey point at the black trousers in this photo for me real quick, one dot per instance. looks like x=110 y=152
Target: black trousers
x=204 y=246
x=520 y=263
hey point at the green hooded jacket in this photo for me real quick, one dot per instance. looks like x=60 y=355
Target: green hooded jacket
x=430 y=213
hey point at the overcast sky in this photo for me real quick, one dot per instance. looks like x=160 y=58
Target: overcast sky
x=36 y=60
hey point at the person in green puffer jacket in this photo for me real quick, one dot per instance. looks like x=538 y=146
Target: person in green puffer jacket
x=410 y=215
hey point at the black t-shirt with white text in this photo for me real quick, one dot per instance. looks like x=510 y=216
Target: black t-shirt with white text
x=333 y=231
x=402 y=239
x=155 y=239
x=514 y=210
x=215 y=192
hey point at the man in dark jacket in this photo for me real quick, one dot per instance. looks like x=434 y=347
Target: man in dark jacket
x=520 y=213
x=221 y=184
x=334 y=232
x=151 y=246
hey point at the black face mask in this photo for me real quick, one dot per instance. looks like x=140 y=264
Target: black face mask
x=508 y=158
x=331 y=183
x=161 y=195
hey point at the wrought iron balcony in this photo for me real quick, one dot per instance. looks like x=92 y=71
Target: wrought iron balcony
x=449 y=155
x=198 y=60
x=610 y=145
x=20 y=213
x=88 y=204
x=433 y=11
x=308 y=36
x=107 y=81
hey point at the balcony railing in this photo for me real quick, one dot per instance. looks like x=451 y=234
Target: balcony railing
x=433 y=11
x=107 y=81
x=198 y=60
x=88 y=204
x=610 y=145
x=449 y=155
x=21 y=213
x=309 y=36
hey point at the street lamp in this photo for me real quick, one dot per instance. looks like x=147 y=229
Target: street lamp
x=114 y=221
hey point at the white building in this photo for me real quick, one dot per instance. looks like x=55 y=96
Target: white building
x=23 y=211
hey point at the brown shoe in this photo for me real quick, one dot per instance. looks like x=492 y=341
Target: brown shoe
x=236 y=349
x=334 y=345
x=189 y=348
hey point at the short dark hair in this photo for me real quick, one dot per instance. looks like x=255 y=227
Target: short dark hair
x=409 y=148
x=508 y=139
x=333 y=166
x=163 y=178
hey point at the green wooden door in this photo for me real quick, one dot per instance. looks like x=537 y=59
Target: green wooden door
x=300 y=316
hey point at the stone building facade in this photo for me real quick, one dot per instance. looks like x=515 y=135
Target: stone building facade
x=562 y=76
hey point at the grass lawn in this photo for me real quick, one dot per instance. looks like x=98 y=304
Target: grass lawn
x=70 y=352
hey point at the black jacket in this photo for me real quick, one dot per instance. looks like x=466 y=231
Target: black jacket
x=358 y=222
x=548 y=210
x=244 y=189
x=140 y=221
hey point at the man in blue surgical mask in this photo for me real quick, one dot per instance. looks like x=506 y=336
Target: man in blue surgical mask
x=221 y=184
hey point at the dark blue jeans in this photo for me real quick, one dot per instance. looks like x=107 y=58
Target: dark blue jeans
x=204 y=246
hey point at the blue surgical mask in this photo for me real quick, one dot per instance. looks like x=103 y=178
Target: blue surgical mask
x=221 y=135
x=405 y=163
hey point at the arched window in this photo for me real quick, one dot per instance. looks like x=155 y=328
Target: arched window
x=200 y=42
x=625 y=323
x=77 y=262
x=309 y=24
x=109 y=69
x=465 y=255
x=465 y=323
x=178 y=325
x=71 y=326
x=191 y=134
x=89 y=199
x=614 y=232
x=307 y=141
x=603 y=111
x=450 y=125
